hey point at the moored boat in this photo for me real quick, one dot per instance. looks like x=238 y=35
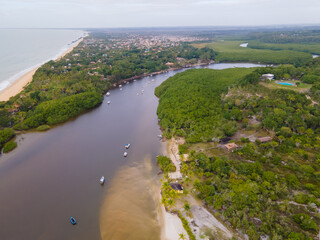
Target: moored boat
x=108 y=94
x=102 y=179
x=127 y=145
x=125 y=154
x=108 y=102
x=73 y=221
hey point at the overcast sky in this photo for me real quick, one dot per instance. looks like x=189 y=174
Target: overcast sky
x=148 y=13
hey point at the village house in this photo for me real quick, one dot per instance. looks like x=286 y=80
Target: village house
x=177 y=187
x=267 y=76
x=169 y=64
x=230 y=146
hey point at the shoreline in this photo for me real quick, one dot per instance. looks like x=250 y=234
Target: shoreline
x=18 y=85
x=199 y=218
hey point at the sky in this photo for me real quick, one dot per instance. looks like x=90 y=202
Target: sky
x=155 y=13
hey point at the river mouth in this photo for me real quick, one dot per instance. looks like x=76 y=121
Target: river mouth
x=55 y=174
x=129 y=209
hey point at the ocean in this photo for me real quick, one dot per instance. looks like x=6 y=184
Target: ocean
x=22 y=50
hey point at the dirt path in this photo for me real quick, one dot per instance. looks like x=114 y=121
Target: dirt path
x=173 y=152
x=201 y=221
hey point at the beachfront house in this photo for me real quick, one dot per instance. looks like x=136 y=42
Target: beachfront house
x=267 y=76
x=169 y=64
x=177 y=187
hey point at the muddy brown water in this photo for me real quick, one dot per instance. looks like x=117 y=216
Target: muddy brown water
x=55 y=174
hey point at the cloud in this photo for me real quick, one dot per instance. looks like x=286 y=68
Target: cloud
x=131 y=13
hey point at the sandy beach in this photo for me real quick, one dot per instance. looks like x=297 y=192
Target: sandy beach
x=18 y=85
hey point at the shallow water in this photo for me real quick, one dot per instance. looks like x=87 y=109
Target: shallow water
x=54 y=175
x=129 y=210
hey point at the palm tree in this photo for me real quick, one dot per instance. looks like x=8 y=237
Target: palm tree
x=182 y=236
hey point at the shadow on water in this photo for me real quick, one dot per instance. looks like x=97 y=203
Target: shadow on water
x=129 y=210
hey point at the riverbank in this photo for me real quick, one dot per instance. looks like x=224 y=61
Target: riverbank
x=200 y=220
x=18 y=85
x=127 y=80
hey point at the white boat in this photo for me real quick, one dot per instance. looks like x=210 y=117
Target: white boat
x=120 y=89
x=102 y=179
x=127 y=145
x=108 y=102
x=125 y=154
x=108 y=94
x=137 y=94
x=120 y=86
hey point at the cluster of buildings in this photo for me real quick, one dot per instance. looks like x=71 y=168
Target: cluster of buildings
x=140 y=41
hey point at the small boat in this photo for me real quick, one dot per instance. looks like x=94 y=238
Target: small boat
x=102 y=179
x=73 y=221
x=120 y=89
x=127 y=145
x=137 y=94
x=125 y=154
x=160 y=136
x=108 y=102
x=108 y=94
x=120 y=86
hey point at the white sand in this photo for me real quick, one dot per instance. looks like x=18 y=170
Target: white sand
x=172 y=226
x=17 y=86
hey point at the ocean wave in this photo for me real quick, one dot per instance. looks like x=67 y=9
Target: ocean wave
x=4 y=85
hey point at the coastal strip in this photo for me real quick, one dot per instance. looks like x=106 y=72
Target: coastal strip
x=18 y=85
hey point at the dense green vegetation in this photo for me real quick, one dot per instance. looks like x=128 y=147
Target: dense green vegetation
x=263 y=188
x=189 y=104
x=43 y=128
x=59 y=110
x=313 y=48
x=185 y=225
x=9 y=146
x=293 y=36
x=165 y=164
x=230 y=51
x=5 y=135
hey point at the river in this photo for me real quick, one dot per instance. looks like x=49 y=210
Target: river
x=55 y=174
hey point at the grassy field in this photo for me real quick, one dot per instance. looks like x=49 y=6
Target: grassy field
x=303 y=87
x=230 y=51
x=308 y=48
